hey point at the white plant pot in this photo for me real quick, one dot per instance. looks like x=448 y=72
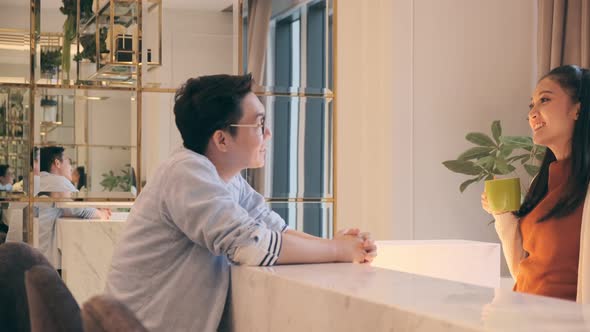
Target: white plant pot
x=50 y=113
x=87 y=68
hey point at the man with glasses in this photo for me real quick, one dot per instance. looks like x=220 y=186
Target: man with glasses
x=55 y=182
x=197 y=215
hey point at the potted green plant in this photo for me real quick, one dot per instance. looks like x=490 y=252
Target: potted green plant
x=50 y=61
x=49 y=106
x=88 y=43
x=70 y=29
x=124 y=182
x=496 y=155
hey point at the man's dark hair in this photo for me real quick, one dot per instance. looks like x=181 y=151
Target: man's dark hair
x=3 y=169
x=209 y=103
x=49 y=154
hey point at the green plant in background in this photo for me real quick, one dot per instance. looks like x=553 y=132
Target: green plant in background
x=69 y=9
x=88 y=43
x=497 y=156
x=50 y=60
x=112 y=181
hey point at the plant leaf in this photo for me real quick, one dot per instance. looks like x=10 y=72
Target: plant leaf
x=496 y=131
x=523 y=142
x=502 y=167
x=525 y=159
x=476 y=153
x=531 y=169
x=462 y=166
x=480 y=139
x=515 y=158
x=487 y=163
x=465 y=184
x=506 y=150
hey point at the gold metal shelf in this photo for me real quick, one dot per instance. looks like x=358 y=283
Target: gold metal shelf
x=49 y=126
x=15 y=85
x=14 y=139
x=74 y=145
x=116 y=73
x=125 y=15
x=80 y=86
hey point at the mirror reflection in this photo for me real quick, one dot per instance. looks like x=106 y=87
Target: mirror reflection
x=197 y=38
x=97 y=131
x=14 y=138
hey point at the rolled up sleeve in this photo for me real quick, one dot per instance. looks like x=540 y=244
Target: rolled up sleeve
x=202 y=207
x=257 y=208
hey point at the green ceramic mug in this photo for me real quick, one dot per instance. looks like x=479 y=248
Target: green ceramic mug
x=503 y=194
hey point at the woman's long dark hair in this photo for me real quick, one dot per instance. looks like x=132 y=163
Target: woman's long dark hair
x=575 y=81
x=82 y=181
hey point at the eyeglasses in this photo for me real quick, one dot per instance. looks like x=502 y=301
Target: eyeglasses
x=258 y=125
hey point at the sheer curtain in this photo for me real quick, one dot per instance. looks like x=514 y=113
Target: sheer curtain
x=258 y=22
x=259 y=12
x=563 y=34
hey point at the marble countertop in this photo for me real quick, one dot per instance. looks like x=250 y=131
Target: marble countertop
x=84 y=204
x=87 y=246
x=427 y=304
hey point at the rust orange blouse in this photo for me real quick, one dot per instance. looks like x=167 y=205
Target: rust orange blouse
x=553 y=246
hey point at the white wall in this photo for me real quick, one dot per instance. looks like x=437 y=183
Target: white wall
x=413 y=77
x=194 y=43
x=109 y=123
x=469 y=69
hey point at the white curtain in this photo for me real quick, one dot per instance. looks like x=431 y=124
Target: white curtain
x=259 y=12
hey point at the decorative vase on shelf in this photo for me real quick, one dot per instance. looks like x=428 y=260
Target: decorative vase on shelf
x=49 y=106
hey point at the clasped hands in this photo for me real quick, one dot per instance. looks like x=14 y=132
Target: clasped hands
x=365 y=243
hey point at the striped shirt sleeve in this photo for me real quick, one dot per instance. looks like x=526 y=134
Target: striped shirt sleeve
x=263 y=252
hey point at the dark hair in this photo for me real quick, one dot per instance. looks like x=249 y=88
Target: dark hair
x=3 y=169
x=82 y=181
x=34 y=154
x=209 y=103
x=49 y=154
x=575 y=81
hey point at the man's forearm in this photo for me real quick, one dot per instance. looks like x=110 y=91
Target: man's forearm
x=299 y=247
x=301 y=234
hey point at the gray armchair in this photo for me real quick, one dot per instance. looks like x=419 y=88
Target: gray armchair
x=15 y=259
x=52 y=307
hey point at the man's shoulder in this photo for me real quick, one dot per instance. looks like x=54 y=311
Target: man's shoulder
x=183 y=158
x=55 y=183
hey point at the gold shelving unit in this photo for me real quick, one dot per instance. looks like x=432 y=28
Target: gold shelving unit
x=111 y=75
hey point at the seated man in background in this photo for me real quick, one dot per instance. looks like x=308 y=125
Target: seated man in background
x=197 y=215
x=55 y=182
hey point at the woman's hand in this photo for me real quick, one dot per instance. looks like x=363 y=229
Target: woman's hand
x=484 y=203
x=486 y=206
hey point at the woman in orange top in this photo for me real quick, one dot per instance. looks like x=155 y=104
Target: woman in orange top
x=543 y=241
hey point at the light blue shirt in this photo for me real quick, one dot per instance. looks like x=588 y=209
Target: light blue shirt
x=171 y=266
x=48 y=214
